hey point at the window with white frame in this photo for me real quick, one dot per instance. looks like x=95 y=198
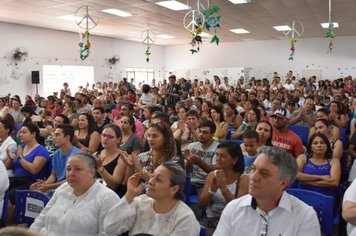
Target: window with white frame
x=140 y=75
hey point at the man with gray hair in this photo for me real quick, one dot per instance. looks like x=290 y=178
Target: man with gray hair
x=268 y=209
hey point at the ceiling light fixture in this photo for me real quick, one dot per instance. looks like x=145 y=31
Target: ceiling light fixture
x=165 y=36
x=239 y=1
x=239 y=31
x=326 y=25
x=117 y=12
x=173 y=5
x=282 y=28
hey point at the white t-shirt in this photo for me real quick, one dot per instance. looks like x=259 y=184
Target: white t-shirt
x=208 y=156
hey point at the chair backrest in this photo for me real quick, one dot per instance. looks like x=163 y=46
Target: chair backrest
x=344 y=138
x=28 y=205
x=322 y=204
x=4 y=208
x=301 y=131
x=202 y=231
x=187 y=189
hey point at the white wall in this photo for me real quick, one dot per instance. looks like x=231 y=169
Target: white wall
x=50 y=47
x=265 y=57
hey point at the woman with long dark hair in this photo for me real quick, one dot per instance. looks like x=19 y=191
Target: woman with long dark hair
x=86 y=137
x=318 y=171
x=224 y=184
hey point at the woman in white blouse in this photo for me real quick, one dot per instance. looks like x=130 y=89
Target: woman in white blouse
x=160 y=212
x=79 y=206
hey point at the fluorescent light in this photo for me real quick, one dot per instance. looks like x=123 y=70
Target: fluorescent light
x=205 y=35
x=326 y=25
x=282 y=28
x=173 y=5
x=238 y=1
x=239 y=31
x=69 y=18
x=117 y=12
x=165 y=36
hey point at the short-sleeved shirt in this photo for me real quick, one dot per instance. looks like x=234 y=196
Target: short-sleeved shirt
x=350 y=196
x=59 y=162
x=291 y=217
x=289 y=141
x=208 y=156
x=30 y=157
x=131 y=144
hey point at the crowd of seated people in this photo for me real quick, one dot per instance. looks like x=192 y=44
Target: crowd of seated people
x=212 y=130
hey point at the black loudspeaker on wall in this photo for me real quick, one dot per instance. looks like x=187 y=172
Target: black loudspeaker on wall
x=35 y=76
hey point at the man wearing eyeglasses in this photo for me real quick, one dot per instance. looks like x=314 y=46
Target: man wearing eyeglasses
x=268 y=209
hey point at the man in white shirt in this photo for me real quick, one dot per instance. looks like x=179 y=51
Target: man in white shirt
x=268 y=209
x=4 y=180
x=349 y=209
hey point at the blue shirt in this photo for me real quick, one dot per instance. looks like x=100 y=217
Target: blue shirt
x=39 y=151
x=59 y=162
x=248 y=160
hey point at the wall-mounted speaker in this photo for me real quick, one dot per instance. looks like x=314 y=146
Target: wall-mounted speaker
x=35 y=77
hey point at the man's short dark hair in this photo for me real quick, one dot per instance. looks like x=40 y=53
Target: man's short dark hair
x=102 y=110
x=67 y=129
x=208 y=123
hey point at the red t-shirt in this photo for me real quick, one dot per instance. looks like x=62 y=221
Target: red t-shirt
x=288 y=141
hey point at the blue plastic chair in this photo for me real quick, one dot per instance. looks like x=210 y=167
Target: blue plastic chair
x=187 y=190
x=4 y=209
x=343 y=138
x=188 y=197
x=323 y=206
x=301 y=131
x=28 y=205
x=202 y=231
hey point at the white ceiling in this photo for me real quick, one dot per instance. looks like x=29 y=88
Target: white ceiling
x=257 y=17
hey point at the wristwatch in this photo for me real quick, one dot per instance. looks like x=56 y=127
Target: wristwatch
x=20 y=157
x=100 y=169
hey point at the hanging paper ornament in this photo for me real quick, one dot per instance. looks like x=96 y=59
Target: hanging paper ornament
x=148 y=38
x=212 y=16
x=195 y=27
x=330 y=33
x=85 y=48
x=86 y=18
x=292 y=48
x=296 y=30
